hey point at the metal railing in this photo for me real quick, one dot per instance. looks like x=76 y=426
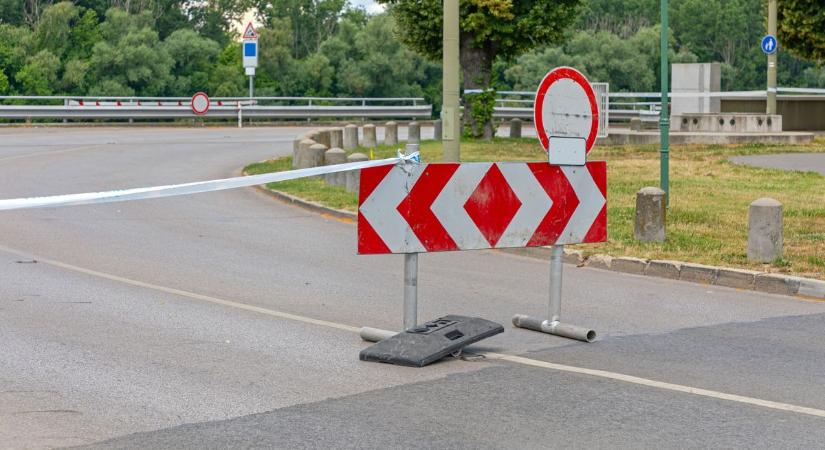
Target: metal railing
x=519 y=105
x=623 y=106
x=107 y=107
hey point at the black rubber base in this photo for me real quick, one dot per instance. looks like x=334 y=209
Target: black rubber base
x=431 y=341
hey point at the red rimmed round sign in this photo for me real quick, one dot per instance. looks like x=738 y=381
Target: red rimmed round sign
x=200 y=103
x=566 y=107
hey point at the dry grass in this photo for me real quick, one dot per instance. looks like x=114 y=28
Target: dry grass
x=707 y=218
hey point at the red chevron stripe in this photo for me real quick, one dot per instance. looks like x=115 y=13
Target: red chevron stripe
x=369 y=242
x=565 y=202
x=598 y=231
x=415 y=208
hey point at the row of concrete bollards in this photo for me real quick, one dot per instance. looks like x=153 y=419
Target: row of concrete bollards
x=329 y=146
x=765 y=224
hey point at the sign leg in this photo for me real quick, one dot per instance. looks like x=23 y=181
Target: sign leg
x=410 y=290
x=553 y=325
x=556 y=272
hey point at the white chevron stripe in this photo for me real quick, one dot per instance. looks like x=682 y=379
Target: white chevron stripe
x=449 y=206
x=591 y=202
x=379 y=209
x=534 y=205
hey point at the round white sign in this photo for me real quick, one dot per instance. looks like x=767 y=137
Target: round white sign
x=566 y=107
x=200 y=103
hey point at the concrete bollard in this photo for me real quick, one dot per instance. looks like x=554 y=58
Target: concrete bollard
x=354 y=176
x=391 y=133
x=331 y=157
x=437 y=130
x=295 y=146
x=369 y=136
x=515 y=128
x=350 y=137
x=765 y=230
x=336 y=138
x=315 y=155
x=299 y=161
x=324 y=137
x=650 y=215
x=414 y=132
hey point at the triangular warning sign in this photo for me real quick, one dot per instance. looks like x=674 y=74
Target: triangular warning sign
x=250 y=32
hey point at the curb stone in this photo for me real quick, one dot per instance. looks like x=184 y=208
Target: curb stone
x=698 y=273
x=628 y=264
x=736 y=278
x=664 y=269
x=770 y=283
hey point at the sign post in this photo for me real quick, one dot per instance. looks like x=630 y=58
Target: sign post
x=411 y=208
x=566 y=115
x=769 y=46
x=250 y=55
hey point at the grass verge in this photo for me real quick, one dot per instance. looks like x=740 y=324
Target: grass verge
x=708 y=215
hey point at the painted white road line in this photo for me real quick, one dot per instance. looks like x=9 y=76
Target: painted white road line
x=779 y=406
x=659 y=384
x=182 y=293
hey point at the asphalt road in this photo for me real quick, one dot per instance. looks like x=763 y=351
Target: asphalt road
x=228 y=320
x=803 y=162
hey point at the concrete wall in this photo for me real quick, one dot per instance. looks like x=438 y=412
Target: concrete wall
x=695 y=79
x=799 y=113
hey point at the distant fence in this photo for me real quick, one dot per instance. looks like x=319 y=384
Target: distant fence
x=806 y=103
x=85 y=107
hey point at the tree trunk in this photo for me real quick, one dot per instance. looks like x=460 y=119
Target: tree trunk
x=477 y=67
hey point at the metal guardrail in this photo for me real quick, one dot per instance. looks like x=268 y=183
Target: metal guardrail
x=86 y=107
x=646 y=110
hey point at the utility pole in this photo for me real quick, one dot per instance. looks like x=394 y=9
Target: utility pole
x=772 y=59
x=451 y=124
x=664 y=119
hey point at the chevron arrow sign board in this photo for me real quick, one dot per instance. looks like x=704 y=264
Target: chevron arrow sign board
x=410 y=208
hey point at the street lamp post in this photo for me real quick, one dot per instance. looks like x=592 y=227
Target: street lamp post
x=664 y=119
x=451 y=125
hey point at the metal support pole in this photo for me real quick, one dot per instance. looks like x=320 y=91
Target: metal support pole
x=410 y=290
x=251 y=86
x=664 y=115
x=451 y=124
x=556 y=268
x=771 y=107
x=240 y=115
x=554 y=325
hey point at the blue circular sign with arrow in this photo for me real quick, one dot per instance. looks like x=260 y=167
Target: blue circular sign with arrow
x=769 y=44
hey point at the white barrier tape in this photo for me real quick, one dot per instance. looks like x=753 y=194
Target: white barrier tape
x=192 y=188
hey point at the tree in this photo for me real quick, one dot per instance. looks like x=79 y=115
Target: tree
x=718 y=30
x=130 y=56
x=39 y=75
x=490 y=29
x=192 y=55
x=53 y=29
x=311 y=21
x=801 y=28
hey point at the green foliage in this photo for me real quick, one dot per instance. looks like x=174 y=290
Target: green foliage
x=311 y=21
x=39 y=74
x=481 y=109
x=192 y=57
x=801 y=28
x=510 y=28
x=131 y=56
x=54 y=28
